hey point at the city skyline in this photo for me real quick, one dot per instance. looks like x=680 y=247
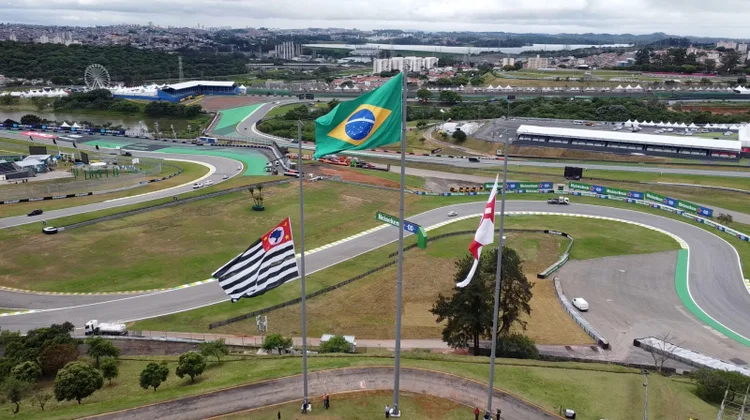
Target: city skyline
x=684 y=18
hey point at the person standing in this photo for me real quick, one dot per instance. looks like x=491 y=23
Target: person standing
x=387 y=411
x=497 y=415
x=476 y=413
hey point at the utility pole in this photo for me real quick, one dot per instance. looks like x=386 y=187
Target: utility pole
x=645 y=394
x=179 y=65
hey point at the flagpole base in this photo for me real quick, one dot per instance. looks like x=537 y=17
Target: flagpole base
x=395 y=413
x=258 y=208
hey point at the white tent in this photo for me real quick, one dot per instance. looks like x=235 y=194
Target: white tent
x=638 y=87
x=692 y=125
x=628 y=123
x=708 y=126
x=508 y=88
x=75 y=125
x=64 y=125
x=619 y=87
x=636 y=122
x=683 y=125
x=734 y=128
x=652 y=124
x=724 y=127
x=490 y=87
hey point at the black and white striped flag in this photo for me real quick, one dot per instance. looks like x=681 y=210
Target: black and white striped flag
x=267 y=264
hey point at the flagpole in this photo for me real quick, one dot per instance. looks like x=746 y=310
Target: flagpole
x=399 y=278
x=498 y=280
x=302 y=261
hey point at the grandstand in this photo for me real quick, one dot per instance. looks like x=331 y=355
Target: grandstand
x=627 y=142
x=178 y=91
x=8 y=170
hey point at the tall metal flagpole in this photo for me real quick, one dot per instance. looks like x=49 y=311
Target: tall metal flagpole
x=498 y=281
x=302 y=261
x=399 y=278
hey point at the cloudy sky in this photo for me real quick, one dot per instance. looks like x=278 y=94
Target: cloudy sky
x=680 y=17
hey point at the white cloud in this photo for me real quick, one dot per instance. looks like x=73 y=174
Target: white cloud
x=680 y=17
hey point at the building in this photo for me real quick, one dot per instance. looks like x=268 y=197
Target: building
x=415 y=64
x=508 y=61
x=730 y=45
x=288 y=50
x=537 y=62
x=178 y=91
x=742 y=48
x=628 y=143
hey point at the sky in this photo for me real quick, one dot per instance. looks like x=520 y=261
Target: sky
x=677 y=17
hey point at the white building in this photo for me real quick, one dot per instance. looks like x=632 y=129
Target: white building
x=537 y=62
x=288 y=50
x=402 y=63
x=508 y=61
x=730 y=45
x=742 y=48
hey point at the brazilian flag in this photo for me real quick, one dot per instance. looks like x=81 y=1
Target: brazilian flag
x=373 y=119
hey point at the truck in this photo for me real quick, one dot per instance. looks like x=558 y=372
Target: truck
x=559 y=200
x=95 y=327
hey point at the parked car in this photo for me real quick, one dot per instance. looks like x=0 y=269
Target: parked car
x=452 y=214
x=36 y=212
x=209 y=182
x=580 y=304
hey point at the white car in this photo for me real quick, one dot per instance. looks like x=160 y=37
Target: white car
x=209 y=182
x=197 y=185
x=581 y=304
x=452 y=214
x=728 y=133
x=225 y=177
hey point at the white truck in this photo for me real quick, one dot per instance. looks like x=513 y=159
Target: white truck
x=95 y=327
x=559 y=200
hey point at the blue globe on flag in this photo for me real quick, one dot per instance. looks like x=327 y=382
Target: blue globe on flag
x=276 y=236
x=360 y=124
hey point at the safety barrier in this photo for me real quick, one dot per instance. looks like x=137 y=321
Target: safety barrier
x=84 y=194
x=688 y=357
x=573 y=312
x=563 y=259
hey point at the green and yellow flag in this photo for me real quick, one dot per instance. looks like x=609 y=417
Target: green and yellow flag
x=373 y=119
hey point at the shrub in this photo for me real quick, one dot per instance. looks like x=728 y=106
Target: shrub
x=56 y=356
x=190 y=364
x=516 y=346
x=109 y=369
x=337 y=344
x=711 y=384
x=216 y=348
x=276 y=342
x=27 y=372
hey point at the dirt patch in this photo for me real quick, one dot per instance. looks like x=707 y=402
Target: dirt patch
x=218 y=103
x=348 y=174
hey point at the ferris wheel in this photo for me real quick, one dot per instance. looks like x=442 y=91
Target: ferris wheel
x=96 y=77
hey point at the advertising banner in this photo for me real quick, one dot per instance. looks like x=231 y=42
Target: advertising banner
x=513 y=186
x=680 y=205
x=614 y=192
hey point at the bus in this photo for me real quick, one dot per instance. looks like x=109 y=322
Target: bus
x=209 y=140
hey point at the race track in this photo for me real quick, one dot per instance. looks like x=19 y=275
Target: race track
x=715 y=277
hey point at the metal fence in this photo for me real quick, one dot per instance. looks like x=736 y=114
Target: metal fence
x=16 y=190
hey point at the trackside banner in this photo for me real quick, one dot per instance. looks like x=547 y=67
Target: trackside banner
x=513 y=186
x=680 y=204
x=614 y=192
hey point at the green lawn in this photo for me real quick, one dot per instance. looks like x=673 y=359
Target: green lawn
x=430 y=272
x=595 y=391
x=719 y=136
x=365 y=405
x=283 y=109
x=191 y=171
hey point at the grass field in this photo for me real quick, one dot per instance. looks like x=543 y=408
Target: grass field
x=366 y=405
x=191 y=171
x=719 y=136
x=595 y=391
x=283 y=109
x=426 y=273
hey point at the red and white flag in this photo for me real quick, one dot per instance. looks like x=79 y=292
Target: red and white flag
x=485 y=234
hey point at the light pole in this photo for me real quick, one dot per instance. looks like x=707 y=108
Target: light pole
x=645 y=394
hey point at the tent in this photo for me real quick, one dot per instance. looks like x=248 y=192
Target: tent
x=683 y=125
x=64 y=125
x=708 y=126
x=734 y=128
x=638 y=87
x=723 y=127
x=75 y=125
x=692 y=125
x=490 y=87
x=619 y=87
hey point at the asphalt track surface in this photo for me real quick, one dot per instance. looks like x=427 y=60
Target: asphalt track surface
x=715 y=277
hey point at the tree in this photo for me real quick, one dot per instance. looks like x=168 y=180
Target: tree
x=729 y=60
x=459 y=136
x=27 y=371
x=191 y=364
x=709 y=65
x=469 y=311
x=56 y=356
x=662 y=351
x=153 y=375
x=41 y=398
x=99 y=347
x=76 y=381
x=276 y=342
x=725 y=219
x=424 y=94
x=14 y=391
x=421 y=124
x=337 y=344
x=705 y=81
x=217 y=348
x=713 y=384
x=333 y=103
x=741 y=80
x=643 y=56
x=109 y=369
x=449 y=97
x=41 y=102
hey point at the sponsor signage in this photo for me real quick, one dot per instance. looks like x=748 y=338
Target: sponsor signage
x=680 y=205
x=513 y=186
x=392 y=220
x=614 y=192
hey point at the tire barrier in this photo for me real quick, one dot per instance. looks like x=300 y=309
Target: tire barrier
x=361 y=276
x=467 y=189
x=573 y=312
x=85 y=194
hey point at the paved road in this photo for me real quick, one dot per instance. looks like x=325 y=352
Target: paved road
x=633 y=297
x=286 y=390
x=715 y=277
